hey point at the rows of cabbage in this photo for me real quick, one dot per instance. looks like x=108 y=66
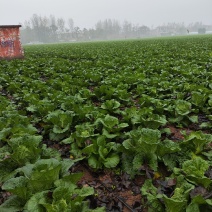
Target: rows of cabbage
x=112 y=103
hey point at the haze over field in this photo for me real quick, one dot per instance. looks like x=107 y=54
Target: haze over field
x=86 y=13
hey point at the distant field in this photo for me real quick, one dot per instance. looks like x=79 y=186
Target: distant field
x=135 y=116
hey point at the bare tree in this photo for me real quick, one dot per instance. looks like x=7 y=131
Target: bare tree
x=52 y=23
x=61 y=24
x=71 y=24
x=127 y=29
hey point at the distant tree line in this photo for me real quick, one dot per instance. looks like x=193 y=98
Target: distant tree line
x=51 y=29
x=45 y=29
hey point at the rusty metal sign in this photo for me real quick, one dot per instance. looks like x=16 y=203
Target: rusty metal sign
x=10 y=45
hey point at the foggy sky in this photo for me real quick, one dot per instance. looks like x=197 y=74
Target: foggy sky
x=86 y=13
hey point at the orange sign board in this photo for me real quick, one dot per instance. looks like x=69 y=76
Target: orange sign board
x=10 y=45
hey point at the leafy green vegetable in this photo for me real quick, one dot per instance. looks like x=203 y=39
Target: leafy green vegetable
x=102 y=153
x=196 y=141
x=61 y=123
x=198 y=98
x=25 y=148
x=112 y=104
x=198 y=203
x=150 y=191
x=167 y=147
x=154 y=121
x=13 y=204
x=17 y=186
x=182 y=107
x=196 y=167
x=195 y=170
x=177 y=203
x=39 y=180
x=143 y=142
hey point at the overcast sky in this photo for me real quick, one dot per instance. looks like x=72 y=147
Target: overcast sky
x=86 y=13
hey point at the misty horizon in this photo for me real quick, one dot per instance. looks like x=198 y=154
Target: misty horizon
x=87 y=14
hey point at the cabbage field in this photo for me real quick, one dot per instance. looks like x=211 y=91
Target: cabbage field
x=108 y=126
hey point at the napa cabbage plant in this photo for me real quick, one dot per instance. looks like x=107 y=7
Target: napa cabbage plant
x=182 y=113
x=195 y=170
x=110 y=126
x=143 y=144
x=61 y=123
x=196 y=141
x=46 y=185
x=102 y=153
x=111 y=106
x=177 y=202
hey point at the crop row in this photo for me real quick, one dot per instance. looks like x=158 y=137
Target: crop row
x=113 y=103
